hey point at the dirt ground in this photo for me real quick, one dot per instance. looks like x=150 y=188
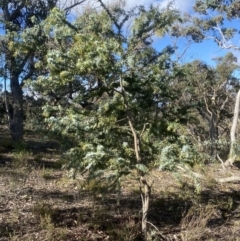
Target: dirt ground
x=38 y=201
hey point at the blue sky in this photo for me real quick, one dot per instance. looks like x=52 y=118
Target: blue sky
x=208 y=49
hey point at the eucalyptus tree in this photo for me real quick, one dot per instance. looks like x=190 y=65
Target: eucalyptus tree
x=211 y=91
x=19 y=56
x=110 y=88
x=212 y=19
x=216 y=21
x=21 y=45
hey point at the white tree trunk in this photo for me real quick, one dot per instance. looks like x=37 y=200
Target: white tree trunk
x=232 y=154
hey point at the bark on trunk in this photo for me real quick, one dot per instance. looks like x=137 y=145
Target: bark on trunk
x=145 y=195
x=213 y=135
x=232 y=154
x=16 y=120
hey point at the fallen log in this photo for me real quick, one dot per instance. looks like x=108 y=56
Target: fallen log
x=228 y=179
x=190 y=174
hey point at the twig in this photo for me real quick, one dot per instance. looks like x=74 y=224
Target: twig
x=73 y=5
x=221 y=162
x=144 y=128
x=157 y=230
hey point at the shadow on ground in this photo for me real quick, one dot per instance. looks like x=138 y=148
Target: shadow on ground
x=103 y=216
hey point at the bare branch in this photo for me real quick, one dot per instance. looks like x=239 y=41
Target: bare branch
x=130 y=122
x=180 y=55
x=222 y=42
x=224 y=103
x=157 y=230
x=143 y=130
x=73 y=5
x=205 y=100
x=221 y=162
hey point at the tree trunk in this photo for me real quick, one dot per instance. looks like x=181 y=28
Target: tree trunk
x=16 y=120
x=232 y=154
x=213 y=135
x=6 y=99
x=144 y=187
x=145 y=195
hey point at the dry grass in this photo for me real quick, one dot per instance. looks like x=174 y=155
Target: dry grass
x=194 y=226
x=39 y=202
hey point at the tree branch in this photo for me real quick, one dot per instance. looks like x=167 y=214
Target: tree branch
x=143 y=130
x=73 y=5
x=130 y=122
x=110 y=15
x=222 y=41
x=221 y=162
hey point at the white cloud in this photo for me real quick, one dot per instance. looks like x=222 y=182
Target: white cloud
x=132 y=3
x=182 y=5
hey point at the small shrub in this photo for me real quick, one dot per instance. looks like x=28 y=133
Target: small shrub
x=60 y=163
x=43 y=209
x=62 y=233
x=21 y=159
x=45 y=212
x=128 y=231
x=47 y=173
